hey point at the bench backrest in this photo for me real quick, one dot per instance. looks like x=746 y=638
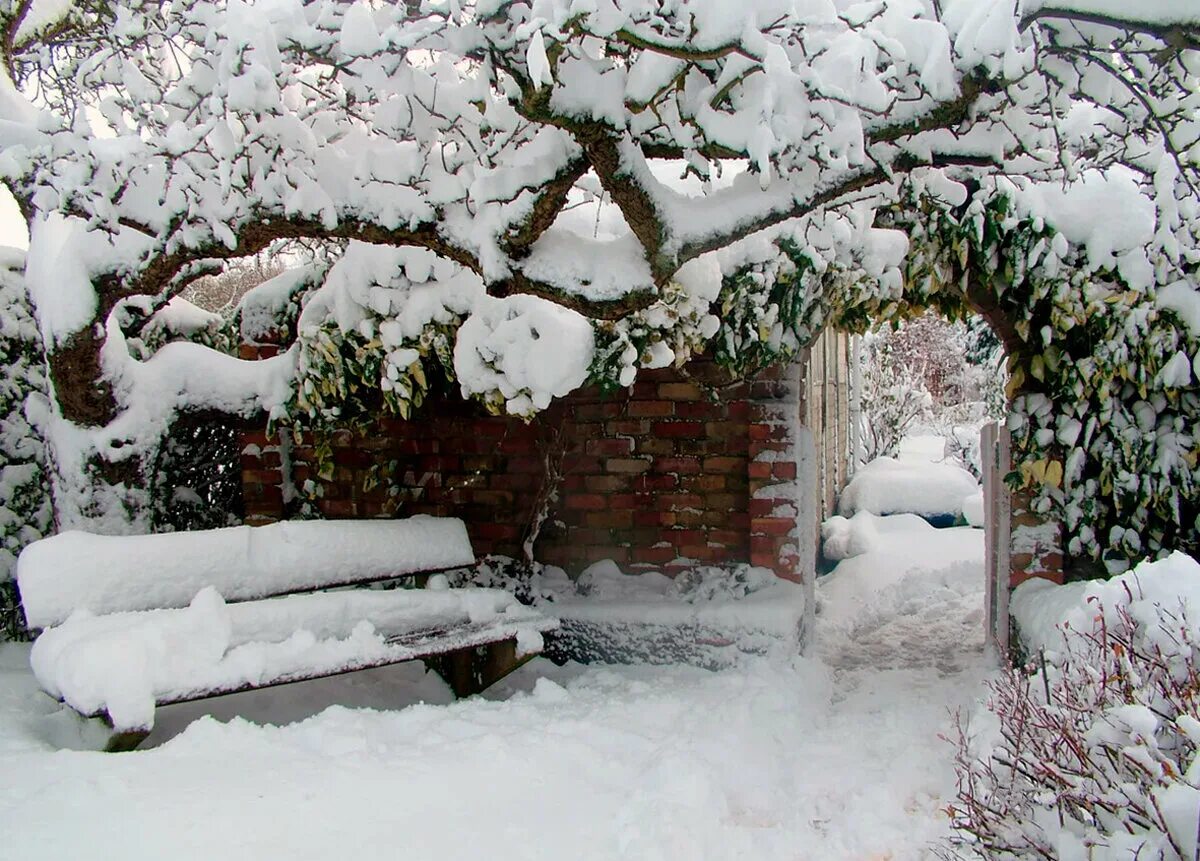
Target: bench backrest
x=107 y=574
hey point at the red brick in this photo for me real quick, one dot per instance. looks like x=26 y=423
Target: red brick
x=250 y=461
x=651 y=483
x=263 y=497
x=260 y=476
x=680 y=392
x=620 y=555
x=609 y=447
x=679 y=465
x=725 y=430
x=723 y=464
x=653 y=555
x=784 y=470
x=763 y=507
x=334 y=508
x=633 y=427
x=518 y=445
x=595 y=412
x=527 y=465
x=772 y=525
x=494 y=498
x=258 y=438
x=699 y=410
x=626 y=465
x=610 y=519
x=606 y=483
x=649 y=517
x=493 y=531
x=650 y=409
x=517 y=482
x=679 y=429
x=680 y=500
x=759 y=469
x=757 y=448
x=764 y=550
x=654 y=446
x=727 y=537
x=724 y=502
x=689 y=517
x=586 y=465
x=703 y=483
x=763 y=432
x=737 y=408
x=586 y=501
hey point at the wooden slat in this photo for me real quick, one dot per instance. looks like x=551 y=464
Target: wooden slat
x=411 y=646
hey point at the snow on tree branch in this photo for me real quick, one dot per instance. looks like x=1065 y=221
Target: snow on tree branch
x=590 y=154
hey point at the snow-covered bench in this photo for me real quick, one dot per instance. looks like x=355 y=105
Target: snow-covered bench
x=133 y=622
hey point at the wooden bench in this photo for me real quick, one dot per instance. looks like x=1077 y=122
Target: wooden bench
x=134 y=622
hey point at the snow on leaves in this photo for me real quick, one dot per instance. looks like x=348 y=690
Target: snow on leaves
x=163 y=140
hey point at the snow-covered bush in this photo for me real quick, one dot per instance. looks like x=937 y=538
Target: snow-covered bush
x=25 y=508
x=894 y=398
x=1091 y=751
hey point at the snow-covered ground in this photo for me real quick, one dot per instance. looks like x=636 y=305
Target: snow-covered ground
x=834 y=756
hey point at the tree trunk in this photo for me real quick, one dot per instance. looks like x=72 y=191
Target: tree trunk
x=99 y=484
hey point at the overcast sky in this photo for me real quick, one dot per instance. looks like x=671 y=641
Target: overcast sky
x=12 y=226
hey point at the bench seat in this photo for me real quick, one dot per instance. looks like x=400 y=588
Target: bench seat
x=120 y=666
x=134 y=622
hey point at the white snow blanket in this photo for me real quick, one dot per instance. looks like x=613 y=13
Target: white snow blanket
x=876 y=576
x=1041 y=607
x=708 y=617
x=106 y=574
x=888 y=486
x=124 y=663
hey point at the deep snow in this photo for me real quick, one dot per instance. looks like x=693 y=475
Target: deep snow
x=837 y=756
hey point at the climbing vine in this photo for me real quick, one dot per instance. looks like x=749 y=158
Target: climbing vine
x=1103 y=398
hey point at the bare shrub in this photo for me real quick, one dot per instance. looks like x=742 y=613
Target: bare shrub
x=1093 y=755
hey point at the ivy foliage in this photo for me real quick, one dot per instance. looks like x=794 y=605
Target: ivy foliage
x=1103 y=396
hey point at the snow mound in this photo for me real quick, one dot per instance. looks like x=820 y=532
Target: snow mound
x=707 y=616
x=889 y=486
x=848 y=537
x=881 y=555
x=108 y=573
x=1041 y=607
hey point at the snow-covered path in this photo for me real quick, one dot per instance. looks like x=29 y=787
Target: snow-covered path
x=835 y=757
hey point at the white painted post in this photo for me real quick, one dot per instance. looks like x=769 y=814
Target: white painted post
x=996 y=452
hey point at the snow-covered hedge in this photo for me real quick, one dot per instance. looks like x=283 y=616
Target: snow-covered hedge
x=25 y=507
x=1092 y=753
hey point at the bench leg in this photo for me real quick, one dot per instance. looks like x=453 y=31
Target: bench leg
x=469 y=671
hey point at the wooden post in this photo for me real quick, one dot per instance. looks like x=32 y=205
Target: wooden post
x=996 y=454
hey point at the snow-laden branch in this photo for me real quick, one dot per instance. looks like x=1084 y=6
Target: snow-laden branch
x=198 y=132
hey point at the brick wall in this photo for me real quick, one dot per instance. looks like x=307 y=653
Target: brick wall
x=661 y=475
x=1036 y=543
